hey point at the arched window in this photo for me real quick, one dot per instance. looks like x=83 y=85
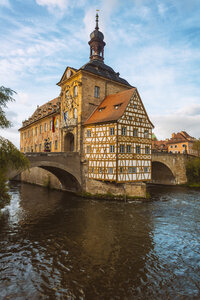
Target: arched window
x=75 y=113
x=75 y=91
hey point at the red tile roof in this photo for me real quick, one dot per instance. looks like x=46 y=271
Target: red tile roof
x=107 y=111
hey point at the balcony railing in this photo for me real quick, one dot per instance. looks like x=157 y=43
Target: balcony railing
x=70 y=123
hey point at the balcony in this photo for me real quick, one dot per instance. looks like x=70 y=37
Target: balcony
x=69 y=124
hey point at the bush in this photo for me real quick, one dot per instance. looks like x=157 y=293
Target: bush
x=193 y=171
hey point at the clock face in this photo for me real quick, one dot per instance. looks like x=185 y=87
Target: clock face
x=69 y=72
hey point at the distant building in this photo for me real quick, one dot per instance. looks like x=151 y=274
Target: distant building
x=181 y=142
x=159 y=146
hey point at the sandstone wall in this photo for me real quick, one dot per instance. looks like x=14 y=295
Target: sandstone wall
x=40 y=177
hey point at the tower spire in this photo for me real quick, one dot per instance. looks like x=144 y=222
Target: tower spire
x=97 y=42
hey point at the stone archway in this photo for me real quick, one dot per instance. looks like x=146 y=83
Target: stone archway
x=69 y=142
x=161 y=174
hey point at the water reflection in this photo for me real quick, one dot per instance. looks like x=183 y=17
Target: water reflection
x=57 y=246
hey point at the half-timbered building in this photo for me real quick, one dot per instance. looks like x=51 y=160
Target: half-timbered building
x=118 y=139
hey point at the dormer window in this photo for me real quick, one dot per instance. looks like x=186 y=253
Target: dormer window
x=75 y=91
x=102 y=108
x=116 y=106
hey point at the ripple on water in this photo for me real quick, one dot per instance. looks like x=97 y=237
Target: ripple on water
x=57 y=246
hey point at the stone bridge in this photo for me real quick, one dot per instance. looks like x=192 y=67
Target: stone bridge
x=169 y=168
x=65 y=166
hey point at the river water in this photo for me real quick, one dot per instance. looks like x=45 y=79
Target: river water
x=54 y=245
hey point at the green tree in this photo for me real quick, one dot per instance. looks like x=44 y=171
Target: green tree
x=10 y=156
x=196 y=146
x=193 y=171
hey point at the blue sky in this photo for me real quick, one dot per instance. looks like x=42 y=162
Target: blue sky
x=154 y=44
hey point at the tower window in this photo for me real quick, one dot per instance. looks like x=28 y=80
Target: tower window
x=45 y=127
x=75 y=91
x=97 y=91
x=56 y=144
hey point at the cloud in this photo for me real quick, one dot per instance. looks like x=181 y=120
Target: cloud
x=5 y=3
x=52 y=4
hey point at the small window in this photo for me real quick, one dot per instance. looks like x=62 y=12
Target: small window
x=45 y=127
x=140 y=120
x=35 y=148
x=112 y=130
x=88 y=149
x=88 y=133
x=130 y=118
x=123 y=130
x=121 y=149
x=101 y=109
x=171 y=146
x=175 y=146
x=24 y=149
x=100 y=171
x=75 y=91
x=75 y=113
x=28 y=133
x=121 y=170
x=116 y=106
x=130 y=170
x=147 y=150
x=22 y=135
x=92 y=170
x=128 y=148
x=146 y=169
x=50 y=146
x=135 y=132
x=146 y=134
x=97 y=91
x=57 y=123
x=25 y=135
x=112 y=149
x=27 y=149
x=184 y=145
x=138 y=149
x=35 y=130
x=110 y=170
x=40 y=128
x=51 y=125
x=135 y=105
x=134 y=169
x=40 y=147
x=56 y=144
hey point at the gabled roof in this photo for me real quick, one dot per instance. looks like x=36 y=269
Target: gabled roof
x=181 y=137
x=107 y=111
x=62 y=78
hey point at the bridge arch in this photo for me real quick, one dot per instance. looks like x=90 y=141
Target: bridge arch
x=162 y=174
x=66 y=167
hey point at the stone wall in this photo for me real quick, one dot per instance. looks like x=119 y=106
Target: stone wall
x=128 y=189
x=41 y=177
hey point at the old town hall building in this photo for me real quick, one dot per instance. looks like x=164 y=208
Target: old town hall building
x=97 y=114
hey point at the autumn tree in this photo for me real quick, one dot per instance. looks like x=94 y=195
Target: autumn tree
x=10 y=156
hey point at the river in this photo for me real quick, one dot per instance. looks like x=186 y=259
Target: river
x=54 y=245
